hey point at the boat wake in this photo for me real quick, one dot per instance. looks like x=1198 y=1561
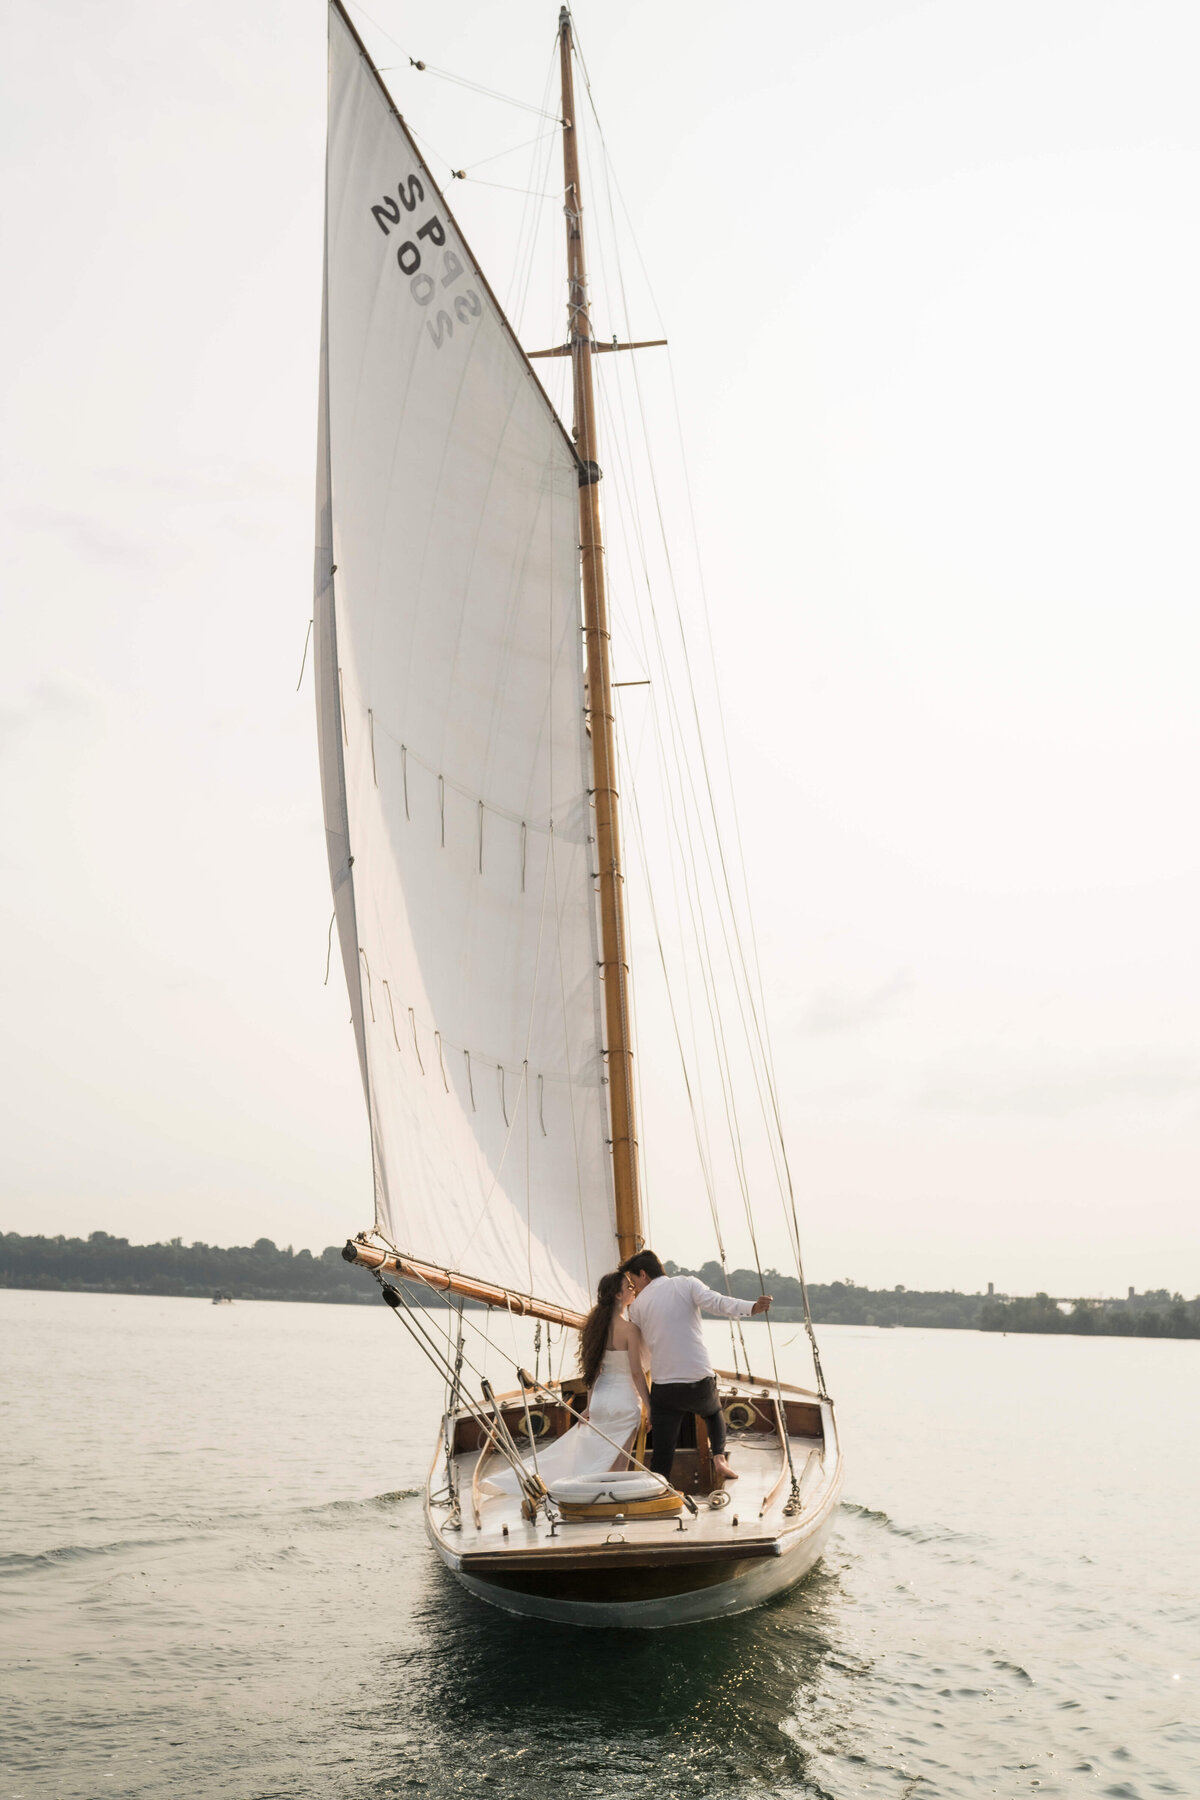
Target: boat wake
x=915 y=1534
x=329 y=1513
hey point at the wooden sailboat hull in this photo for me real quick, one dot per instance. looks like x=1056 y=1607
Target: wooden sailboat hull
x=726 y=1558
x=704 y=1590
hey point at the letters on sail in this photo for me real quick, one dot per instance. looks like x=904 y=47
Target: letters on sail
x=451 y=721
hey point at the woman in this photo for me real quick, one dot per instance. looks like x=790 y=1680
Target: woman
x=610 y=1359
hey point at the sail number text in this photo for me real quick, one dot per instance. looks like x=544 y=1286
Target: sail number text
x=415 y=257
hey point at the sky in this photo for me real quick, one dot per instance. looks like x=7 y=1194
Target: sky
x=930 y=277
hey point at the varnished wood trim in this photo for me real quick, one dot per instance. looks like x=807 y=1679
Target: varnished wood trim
x=625 y=1556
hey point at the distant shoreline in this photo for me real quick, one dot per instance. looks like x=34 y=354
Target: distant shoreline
x=101 y=1264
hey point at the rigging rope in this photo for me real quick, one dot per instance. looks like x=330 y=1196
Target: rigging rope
x=404 y=1311
x=533 y=1488
x=425 y=68
x=748 y=986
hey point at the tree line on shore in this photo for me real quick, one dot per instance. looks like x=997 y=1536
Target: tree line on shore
x=261 y=1271
x=1153 y=1314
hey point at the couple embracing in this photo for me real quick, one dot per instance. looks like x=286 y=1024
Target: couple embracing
x=645 y=1318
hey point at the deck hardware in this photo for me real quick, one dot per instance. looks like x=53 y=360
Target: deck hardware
x=679 y=1524
x=504 y=1531
x=733 y=1521
x=719 y=1499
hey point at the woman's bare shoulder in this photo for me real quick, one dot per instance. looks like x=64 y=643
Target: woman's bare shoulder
x=624 y=1334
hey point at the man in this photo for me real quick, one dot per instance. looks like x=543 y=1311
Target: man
x=666 y=1310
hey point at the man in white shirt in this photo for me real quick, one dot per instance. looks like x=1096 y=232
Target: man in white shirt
x=666 y=1310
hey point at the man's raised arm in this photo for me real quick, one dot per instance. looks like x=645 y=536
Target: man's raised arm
x=725 y=1305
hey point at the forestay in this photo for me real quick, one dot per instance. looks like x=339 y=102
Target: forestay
x=453 y=748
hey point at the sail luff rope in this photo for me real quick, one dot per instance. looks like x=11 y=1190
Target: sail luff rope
x=328 y=593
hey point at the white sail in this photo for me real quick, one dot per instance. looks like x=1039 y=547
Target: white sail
x=451 y=721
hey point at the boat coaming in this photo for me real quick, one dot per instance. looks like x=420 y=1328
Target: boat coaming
x=652 y=1573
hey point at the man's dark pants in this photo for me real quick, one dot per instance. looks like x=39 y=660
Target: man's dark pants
x=669 y=1402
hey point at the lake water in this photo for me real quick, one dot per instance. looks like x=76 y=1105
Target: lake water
x=214 y=1580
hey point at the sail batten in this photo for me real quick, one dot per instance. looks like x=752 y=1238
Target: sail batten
x=453 y=746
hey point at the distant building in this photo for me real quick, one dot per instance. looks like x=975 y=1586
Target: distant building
x=991 y=1293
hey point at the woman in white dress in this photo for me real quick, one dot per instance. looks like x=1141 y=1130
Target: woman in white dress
x=611 y=1360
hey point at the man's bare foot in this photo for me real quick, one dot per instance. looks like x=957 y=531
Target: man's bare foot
x=722 y=1470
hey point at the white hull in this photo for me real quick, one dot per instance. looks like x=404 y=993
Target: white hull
x=650 y=1574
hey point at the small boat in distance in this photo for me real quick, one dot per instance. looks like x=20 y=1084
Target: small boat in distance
x=470 y=776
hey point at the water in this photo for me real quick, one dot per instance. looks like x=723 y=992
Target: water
x=214 y=1581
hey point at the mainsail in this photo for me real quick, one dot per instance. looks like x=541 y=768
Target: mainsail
x=453 y=747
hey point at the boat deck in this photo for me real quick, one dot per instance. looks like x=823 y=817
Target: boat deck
x=630 y=1559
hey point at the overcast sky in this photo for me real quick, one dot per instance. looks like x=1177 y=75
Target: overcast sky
x=931 y=278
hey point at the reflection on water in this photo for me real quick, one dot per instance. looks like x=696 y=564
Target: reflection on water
x=542 y=1709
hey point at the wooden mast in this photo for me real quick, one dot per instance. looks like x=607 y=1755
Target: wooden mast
x=614 y=958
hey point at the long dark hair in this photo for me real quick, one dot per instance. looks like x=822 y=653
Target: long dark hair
x=597 y=1327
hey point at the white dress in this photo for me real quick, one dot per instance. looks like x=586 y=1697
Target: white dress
x=615 y=1410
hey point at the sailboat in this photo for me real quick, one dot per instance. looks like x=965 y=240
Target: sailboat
x=470 y=782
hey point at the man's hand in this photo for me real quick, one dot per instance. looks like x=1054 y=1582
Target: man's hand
x=763 y=1303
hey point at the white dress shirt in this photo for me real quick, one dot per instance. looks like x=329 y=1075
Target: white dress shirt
x=667 y=1313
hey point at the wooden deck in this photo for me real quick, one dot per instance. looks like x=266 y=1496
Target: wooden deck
x=555 y=1567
